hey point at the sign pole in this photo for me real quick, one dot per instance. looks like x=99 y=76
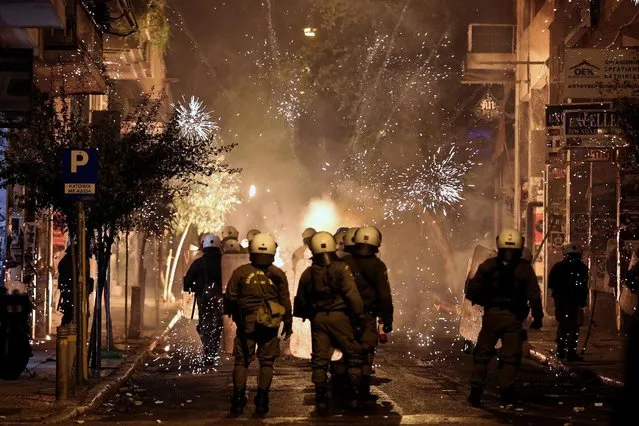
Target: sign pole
x=126 y=285
x=82 y=366
x=79 y=178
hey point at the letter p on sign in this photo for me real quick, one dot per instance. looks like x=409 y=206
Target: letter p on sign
x=78 y=159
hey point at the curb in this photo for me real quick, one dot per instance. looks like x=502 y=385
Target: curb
x=555 y=364
x=103 y=390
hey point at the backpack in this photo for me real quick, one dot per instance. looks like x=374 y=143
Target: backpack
x=270 y=314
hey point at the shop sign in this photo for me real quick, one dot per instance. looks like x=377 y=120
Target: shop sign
x=601 y=73
x=591 y=123
x=488 y=108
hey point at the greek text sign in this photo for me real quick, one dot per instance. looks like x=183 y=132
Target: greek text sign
x=601 y=73
x=80 y=173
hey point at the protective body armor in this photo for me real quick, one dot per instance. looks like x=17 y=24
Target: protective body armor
x=499 y=285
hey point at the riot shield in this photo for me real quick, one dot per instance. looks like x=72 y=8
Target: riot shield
x=230 y=262
x=470 y=319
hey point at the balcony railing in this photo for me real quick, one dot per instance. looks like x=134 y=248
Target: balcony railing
x=73 y=57
x=491 y=38
x=491 y=54
x=81 y=33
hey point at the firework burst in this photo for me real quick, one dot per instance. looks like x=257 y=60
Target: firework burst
x=435 y=184
x=194 y=120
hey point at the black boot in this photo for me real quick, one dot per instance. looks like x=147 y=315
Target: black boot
x=238 y=401
x=261 y=402
x=474 y=398
x=321 y=401
x=508 y=397
x=573 y=357
x=365 y=390
x=354 y=397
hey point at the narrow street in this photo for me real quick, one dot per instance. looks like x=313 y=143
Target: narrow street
x=414 y=386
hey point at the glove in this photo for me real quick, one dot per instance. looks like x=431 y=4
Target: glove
x=536 y=324
x=287 y=331
x=388 y=327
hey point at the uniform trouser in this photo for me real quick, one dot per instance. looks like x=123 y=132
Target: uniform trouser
x=331 y=330
x=67 y=313
x=498 y=323
x=268 y=348
x=210 y=324
x=369 y=340
x=567 y=328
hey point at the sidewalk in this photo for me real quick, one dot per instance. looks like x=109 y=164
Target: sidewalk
x=604 y=355
x=32 y=397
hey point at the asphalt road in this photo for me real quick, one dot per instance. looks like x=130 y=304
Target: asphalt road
x=416 y=384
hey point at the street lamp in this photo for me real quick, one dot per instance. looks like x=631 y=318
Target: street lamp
x=310 y=31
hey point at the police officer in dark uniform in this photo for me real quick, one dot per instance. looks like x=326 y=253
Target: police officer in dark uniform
x=371 y=277
x=327 y=295
x=568 y=281
x=204 y=278
x=65 y=285
x=339 y=240
x=251 y=287
x=504 y=286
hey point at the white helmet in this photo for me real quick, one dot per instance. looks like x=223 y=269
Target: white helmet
x=211 y=240
x=323 y=242
x=368 y=235
x=308 y=233
x=339 y=238
x=231 y=246
x=349 y=237
x=527 y=254
x=252 y=233
x=230 y=232
x=510 y=238
x=263 y=244
x=572 y=248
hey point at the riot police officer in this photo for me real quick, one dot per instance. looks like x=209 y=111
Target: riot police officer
x=204 y=278
x=371 y=277
x=328 y=297
x=249 y=237
x=230 y=233
x=231 y=246
x=349 y=240
x=504 y=286
x=568 y=282
x=339 y=240
x=300 y=253
x=258 y=299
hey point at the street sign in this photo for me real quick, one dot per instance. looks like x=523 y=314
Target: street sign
x=80 y=173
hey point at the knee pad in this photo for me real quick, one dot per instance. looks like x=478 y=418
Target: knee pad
x=267 y=362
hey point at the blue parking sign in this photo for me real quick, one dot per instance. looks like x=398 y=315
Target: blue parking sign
x=80 y=173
